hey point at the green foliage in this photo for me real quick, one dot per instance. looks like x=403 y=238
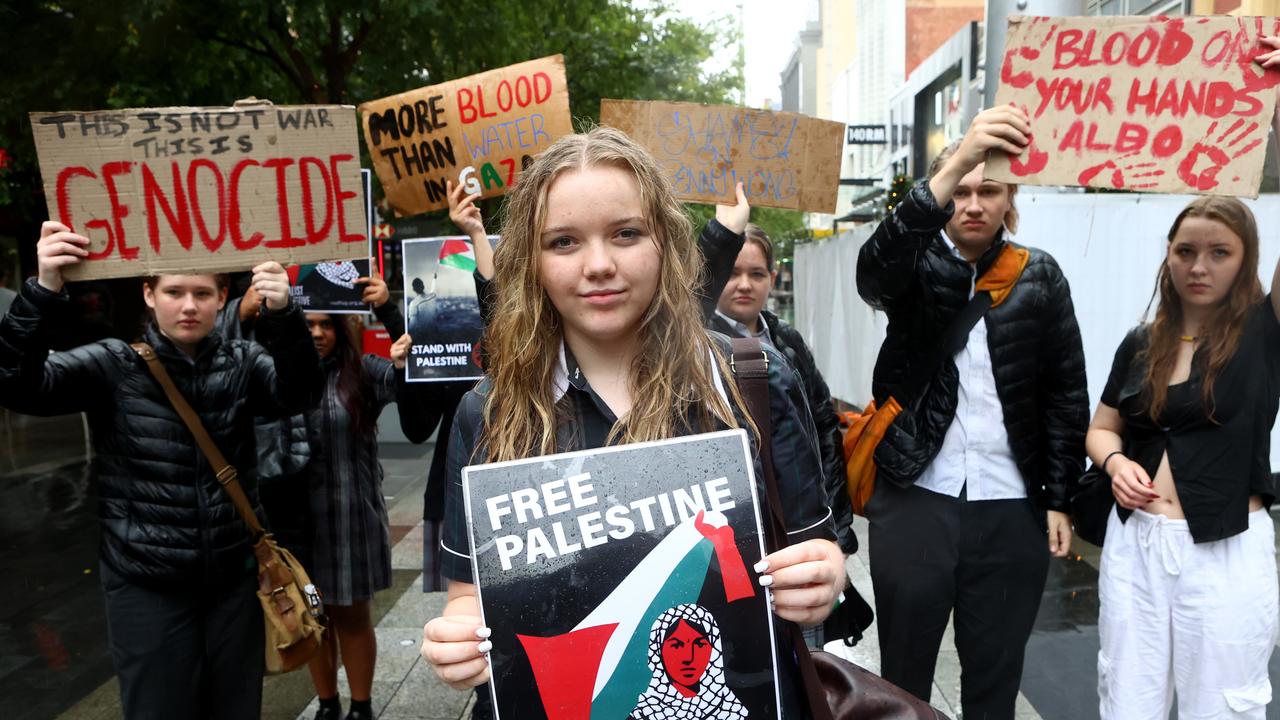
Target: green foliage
x=898 y=190
x=89 y=54
x=785 y=228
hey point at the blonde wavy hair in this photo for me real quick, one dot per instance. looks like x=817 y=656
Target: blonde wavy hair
x=671 y=380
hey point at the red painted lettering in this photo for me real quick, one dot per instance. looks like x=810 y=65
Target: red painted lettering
x=340 y=198
x=233 y=207
x=118 y=211
x=524 y=91
x=177 y=214
x=1167 y=141
x=466 y=113
x=1142 y=101
x=1091 y=142
x=1175 y=45
x=315 y=234
x=64 y=195
x=1073 y=138
x=541 y=87
x=1068 y=53
x=1143 y=48
x=281 y=165
x=1111 y=54
x=1210 y=56
x=480 y=102
x=1131 y=137
x=212 y=242
x=504 y=107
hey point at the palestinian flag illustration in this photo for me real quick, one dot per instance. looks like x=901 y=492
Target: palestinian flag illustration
x=634 y=598
x=329 y=287
x=458 y=254
x=614 y=638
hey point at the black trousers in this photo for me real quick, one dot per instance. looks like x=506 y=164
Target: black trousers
x=986 y=561
x=185 y=654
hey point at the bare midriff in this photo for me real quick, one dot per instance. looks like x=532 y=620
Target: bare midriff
x=1168 y=505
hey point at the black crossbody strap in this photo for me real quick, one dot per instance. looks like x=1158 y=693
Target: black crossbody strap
x=223 y=470
x=750 y=367
x=953 y=340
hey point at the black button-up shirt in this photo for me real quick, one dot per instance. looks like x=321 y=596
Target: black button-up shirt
x=1217 y=462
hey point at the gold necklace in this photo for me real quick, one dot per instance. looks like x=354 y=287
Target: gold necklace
x=1188 y=338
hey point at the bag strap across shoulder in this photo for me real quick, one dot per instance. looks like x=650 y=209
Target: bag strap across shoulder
x=990 y=290
x=222 y=469
x=750 y=365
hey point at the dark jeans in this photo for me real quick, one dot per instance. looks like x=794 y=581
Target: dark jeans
x=987 y=561
x=186 y=653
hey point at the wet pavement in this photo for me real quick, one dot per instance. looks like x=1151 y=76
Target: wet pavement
x=53 y=654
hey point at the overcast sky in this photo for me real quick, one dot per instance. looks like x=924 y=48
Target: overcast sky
x=770 y=28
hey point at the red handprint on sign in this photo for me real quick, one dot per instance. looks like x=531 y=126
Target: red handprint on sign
x=1033 y=159
x=1216 y=154
x=1122 y=174
x=1258 y=78
x=1024 y=41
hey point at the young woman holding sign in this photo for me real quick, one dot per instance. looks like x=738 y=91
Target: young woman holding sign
x=1188 y=588
x=1188 y=577
x=178 y=575
x=351 y=543
x=596 y=339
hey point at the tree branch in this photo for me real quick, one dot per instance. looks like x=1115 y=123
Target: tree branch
x=277 y=23
x=265 y=51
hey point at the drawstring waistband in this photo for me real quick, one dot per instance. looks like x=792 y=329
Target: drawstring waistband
x=1162 y=530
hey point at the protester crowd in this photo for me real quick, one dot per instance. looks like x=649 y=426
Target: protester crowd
x=609 y=322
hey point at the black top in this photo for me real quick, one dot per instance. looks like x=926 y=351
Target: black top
x=1218 y=462
x=585 y=422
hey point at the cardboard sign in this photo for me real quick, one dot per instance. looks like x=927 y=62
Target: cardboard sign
x=191 y=190
x=595 y=572
x=441 y=311
x=1153 y=104
x=784 y=159
x=331 y=287
x=480 y=131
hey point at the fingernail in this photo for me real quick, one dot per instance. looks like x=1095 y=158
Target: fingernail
x=483 y=633
x=761 y=566
x=766 y=580
x=485 y=646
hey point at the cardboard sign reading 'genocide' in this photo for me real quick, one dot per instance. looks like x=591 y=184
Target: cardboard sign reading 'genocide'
x=783 y=159
x=182 y=189
x=1153 y=104
x=480 y=131
x=617 y=584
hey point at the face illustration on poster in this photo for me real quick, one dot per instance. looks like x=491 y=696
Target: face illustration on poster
x=687 y=663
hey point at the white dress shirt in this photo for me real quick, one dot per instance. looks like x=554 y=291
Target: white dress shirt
x=744 y=331
x=975 y=451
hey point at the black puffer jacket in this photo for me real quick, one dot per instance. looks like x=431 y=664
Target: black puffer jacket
x=165 y=520
x=907 y=271
x=720 y=248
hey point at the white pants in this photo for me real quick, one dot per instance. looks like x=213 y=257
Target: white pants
x=1198 y=618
